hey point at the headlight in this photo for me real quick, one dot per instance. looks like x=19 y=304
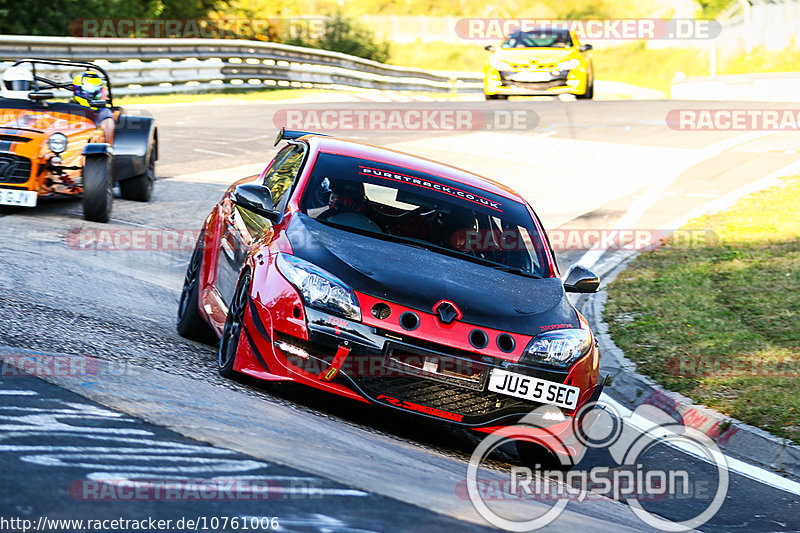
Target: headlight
x=498 y=64
x=569 y=64
x=57 y=143
x=319 y=289
x=559 y=348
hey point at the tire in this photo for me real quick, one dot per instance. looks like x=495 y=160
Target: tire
x=140 y=188
x=98 y=183
x=495 y=96
x=228 y=344
x=589 y=94
x=190 y=324
x=533 y=455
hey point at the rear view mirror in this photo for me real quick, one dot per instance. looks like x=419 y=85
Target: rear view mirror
x=255 y=198
x=581 y=279
x=489 y=48
x=585 y=47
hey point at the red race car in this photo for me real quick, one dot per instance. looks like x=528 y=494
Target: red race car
x=393 y=280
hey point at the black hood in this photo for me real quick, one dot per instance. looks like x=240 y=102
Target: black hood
x=418 y=278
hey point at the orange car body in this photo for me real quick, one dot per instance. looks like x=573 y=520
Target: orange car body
x=25 y=157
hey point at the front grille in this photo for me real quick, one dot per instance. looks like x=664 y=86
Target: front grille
x=425 y=345
x=14 y=168
x=14 y=138
x=536 y=85
x=441 y=395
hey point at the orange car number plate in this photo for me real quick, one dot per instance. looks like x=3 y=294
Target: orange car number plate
x=533 y=389
x=16 y=197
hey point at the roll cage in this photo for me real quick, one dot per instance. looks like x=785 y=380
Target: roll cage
x=54 y=84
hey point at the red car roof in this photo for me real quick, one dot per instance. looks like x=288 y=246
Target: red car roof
x=345 y=147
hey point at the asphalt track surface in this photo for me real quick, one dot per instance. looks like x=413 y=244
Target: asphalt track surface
x=584 y=165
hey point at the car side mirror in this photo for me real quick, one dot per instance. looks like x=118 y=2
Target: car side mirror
x=255 y=198
x=581 y=279
x=489 y=48
x=40 y=95
x=585 y=47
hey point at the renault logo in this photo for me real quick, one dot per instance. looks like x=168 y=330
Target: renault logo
x=446 y=311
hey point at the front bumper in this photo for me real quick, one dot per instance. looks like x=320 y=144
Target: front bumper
x=398 y=371
x=21 y=173
x=521 y=83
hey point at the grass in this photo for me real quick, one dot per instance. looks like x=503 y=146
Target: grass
x=761 y=60
x=653 y=68
x=719 y=321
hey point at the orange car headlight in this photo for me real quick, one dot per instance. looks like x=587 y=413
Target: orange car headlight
x=57 y=142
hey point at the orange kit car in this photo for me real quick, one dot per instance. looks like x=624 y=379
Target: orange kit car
x=51 y=148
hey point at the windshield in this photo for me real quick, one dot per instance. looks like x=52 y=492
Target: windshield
x=551 y=38
x=403 y=205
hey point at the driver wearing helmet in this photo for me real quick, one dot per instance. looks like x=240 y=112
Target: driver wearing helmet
x=344 y=196
x=91 y=91
x=17 y=82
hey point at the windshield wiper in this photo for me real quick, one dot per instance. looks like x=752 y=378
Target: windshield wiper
x=514 y=270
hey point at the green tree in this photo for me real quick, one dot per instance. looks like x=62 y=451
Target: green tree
x=345 y=35
x=54 y=17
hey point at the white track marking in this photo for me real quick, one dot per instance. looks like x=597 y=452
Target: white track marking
x=18 y=393
x=657 y=189
x=591 y=257
x=729 y=199
x=734 y=465
x=224 y=176
x=222 y=154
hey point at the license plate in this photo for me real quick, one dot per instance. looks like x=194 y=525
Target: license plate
x=17 y=197
x=533 y=389
x=532 y=76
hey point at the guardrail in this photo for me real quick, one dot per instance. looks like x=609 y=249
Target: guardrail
x=766 y=87
x=152 y=66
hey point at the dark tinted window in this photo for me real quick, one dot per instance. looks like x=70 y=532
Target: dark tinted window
x=405 y=205
x=550 y=38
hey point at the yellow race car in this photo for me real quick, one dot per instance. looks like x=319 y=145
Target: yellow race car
x=538 y=62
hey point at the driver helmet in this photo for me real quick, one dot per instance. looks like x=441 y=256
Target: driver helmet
x=347 y=196
x=17 y=82
x=90 y=90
